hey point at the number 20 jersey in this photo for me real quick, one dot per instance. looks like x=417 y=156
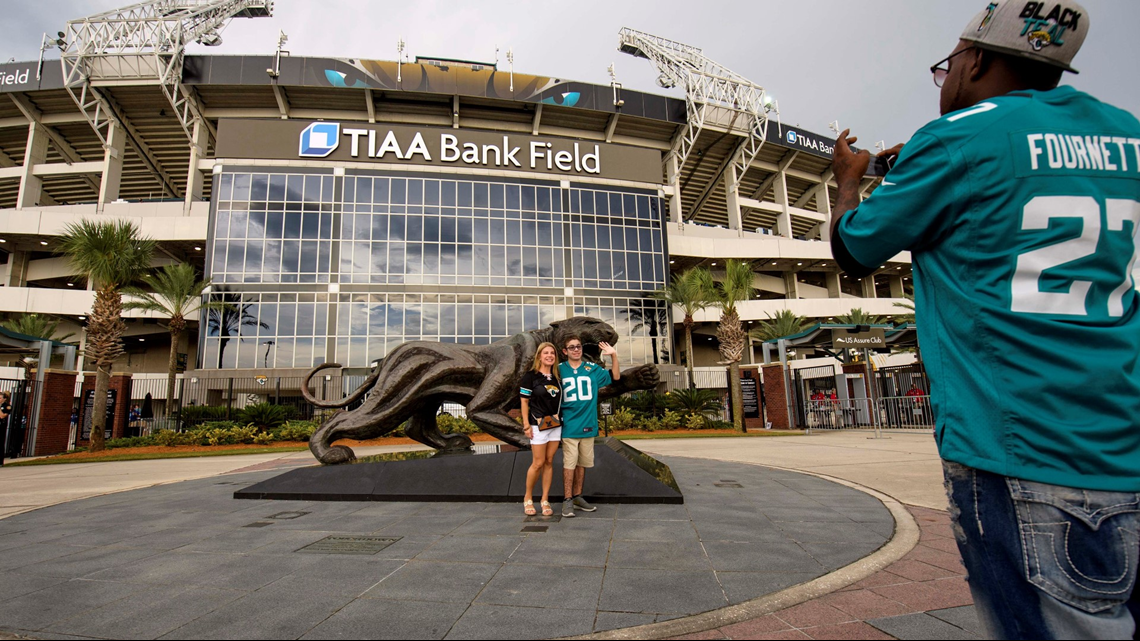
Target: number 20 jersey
x=1021 y=214
x=580 y=387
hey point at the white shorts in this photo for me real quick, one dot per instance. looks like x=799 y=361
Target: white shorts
x=541 y=437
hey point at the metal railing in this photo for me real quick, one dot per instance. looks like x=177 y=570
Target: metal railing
x=894 y=413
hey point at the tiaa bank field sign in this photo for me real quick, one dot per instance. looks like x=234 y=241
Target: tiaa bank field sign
x=410 y=145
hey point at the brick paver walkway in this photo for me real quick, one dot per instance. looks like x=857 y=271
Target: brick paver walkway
x=921 y=596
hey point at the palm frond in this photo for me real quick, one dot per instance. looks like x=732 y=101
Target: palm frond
x=110 y=253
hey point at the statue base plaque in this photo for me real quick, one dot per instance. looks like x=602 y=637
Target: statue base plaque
x=621 y=474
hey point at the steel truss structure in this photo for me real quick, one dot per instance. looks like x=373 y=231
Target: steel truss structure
x=715 y=96
x=144 y=42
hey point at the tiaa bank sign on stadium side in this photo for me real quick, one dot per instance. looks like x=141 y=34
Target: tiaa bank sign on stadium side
x=352 y=142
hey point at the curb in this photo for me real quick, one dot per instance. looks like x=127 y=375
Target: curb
x=904 y=540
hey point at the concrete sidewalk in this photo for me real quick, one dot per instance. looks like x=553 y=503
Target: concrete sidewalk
x=905 y=466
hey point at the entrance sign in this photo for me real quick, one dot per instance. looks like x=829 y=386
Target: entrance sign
x=88 y=413
x=751 y=398
x=872 y=338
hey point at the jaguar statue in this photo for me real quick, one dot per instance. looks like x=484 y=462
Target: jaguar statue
x=413 y=381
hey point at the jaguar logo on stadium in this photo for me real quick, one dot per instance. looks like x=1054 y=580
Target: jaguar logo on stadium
x=792 y=137
x=319 y=139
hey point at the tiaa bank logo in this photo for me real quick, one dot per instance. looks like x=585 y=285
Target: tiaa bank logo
x=792 y=137
x=319 y=139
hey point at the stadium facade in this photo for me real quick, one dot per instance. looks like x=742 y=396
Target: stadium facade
x=345 y=206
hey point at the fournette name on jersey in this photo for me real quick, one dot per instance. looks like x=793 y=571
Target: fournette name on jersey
x=1076 y=151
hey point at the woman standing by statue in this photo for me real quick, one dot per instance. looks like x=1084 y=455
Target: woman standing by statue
x=541 y=400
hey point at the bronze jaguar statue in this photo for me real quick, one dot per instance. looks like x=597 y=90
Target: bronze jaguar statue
x=413 y=381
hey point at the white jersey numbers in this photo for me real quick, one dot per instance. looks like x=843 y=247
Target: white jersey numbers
x=578 y=389
x=1027 y=296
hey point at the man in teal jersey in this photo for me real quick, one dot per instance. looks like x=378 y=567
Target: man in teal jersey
x=1021 y=207
x=581 y=383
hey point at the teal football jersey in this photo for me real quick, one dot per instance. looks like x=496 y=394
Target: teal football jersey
x=580 y=388
x=1021 y=214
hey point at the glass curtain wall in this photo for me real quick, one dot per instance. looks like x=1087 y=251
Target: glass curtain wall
x=423 y=258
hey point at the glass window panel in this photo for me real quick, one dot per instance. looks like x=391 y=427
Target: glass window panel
x=362 y=229
x=396 y=258
x=587 y=201
x=647 y=267
x=463 y=230
x=259 y=187
x=590 y=264
x=482 y=320
x=292 y=225
x=497 y=198
x=514 y=260
x=633 y=267
x=605 y=269
x=256 y=225
x=431 y=258
x=463 y=259
x=286 y=319
x=481 y=233
x=529 y=232
x=327 y=188
x=481 y=194
x=631 y=239
x=225 y=187
x=323 y=259
x=415 y=192
x=241 y=187
x=657 y=241
x=271 y=261
x=465 y=323
x=312 y=193
x=466 y=198
x=399 y=191
x=413 y=258
x=249 y=355
x=544 y=199
x=528 y=197
x=498 y=232
x=310 y=223
x=219 y=257
x=617 y=238
x=514 y=198
x=514 y=232
x=530 y=262
x=431 y=229
x=603 y=237
x=235 y=257
x=447 y=259
x=274 y=222
x=380 y=191
x=447 y=193
x=222 y=224
x=446 y=229
x=396 y=229
x=415 y=229
x=481 y=260
x=379 y=226
x=431 y=192
x=308 y=257
x=601 y=203
x=498 y=260
x=326 y=225
x=239 y=221
x=588 y=237
x=545 y=234
x=349 y=195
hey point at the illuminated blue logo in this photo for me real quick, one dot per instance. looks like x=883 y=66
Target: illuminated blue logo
x=792 y=137
x=568 y=99
x=319 y=139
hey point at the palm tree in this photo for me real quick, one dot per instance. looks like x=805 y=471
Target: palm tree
x=705 y=402
x=858 y=317
x=111 y=255
x=735 y=288
x=227 y=316
x=36 y=326
x=909 y=306
x=175 y=292
x=784 y=323
x=690 y=291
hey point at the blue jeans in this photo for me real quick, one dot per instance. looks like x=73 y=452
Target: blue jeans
x=1045 y=561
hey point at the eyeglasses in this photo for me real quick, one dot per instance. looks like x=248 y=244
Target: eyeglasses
x=573 y=348
x=940 y=72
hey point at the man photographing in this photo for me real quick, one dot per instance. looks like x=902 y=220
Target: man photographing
x=1021 y=206
x=581 y=382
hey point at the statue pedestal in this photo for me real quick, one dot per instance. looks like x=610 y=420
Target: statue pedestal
x=621 y=474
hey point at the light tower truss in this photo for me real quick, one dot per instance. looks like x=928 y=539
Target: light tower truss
x=714 y=97
x=144 y=43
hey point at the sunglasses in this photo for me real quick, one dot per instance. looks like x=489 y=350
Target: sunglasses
x=940 y=72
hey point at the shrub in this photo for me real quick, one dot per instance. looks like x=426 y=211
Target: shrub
x=696 y=422
x=295 y=431
x=214 y=425
x=264 y=438
x=623 y=419
x=129 y=441
x=168 y=438
x=643 y=404
x=192 y=415
x=449 y=424
x=693 y=401
x=263 y=416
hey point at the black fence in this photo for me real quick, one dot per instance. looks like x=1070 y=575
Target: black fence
x=15 y=430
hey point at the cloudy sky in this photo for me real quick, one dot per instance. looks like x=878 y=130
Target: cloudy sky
x=864 y=63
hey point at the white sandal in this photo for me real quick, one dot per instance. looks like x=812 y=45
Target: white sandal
x=528 y=507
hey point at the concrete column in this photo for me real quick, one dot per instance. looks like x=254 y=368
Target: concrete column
x=32 y=186
x=868 y=284
x=17 y=269
x=112 y=165
x=823 y=204
x=673 y=171
x=732 y=198
x=784 y=219
x=833 y=288
x=195 y=181
x=791 y=286
x=896 y=283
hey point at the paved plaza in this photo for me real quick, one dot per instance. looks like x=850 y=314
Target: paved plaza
x=755 y=552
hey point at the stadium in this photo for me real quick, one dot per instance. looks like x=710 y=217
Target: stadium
x=344 y=206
